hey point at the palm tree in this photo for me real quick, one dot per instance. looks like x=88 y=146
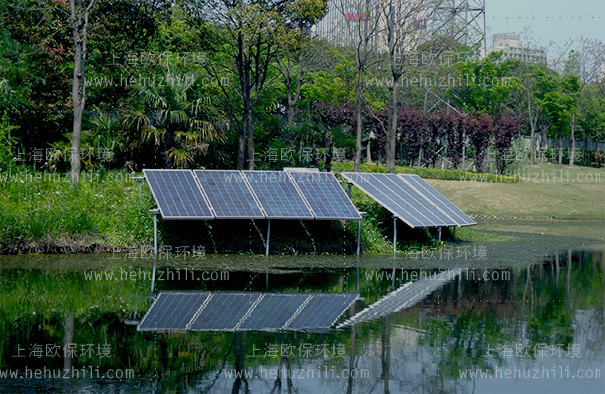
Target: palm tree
x=174 y=114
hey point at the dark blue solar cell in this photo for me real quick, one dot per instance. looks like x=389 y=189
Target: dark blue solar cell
x=438 y=199
x=229 y=194
x=385 y=197
x=322 y=311
x=278 y=195
x=177 y=194
x=325 y=195
x=223 y=311
x=274 y=311
x=422 y=208
x=172 y=311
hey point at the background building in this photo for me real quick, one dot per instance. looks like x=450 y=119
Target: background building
x=512 y=48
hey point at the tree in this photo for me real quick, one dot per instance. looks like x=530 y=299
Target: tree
x=561 y=104
x=248 y=43
x=362 y=34
x=80 y=11
x=176 y=117
x=297 y=50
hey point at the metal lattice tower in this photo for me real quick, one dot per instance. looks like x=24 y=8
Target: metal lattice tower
x=463 y=21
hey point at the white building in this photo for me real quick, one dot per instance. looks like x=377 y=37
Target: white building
x=512 y=48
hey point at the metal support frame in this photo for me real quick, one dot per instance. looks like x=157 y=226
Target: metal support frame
x=268 y=236
x=350 y=187
x=439 y=233
x=155 y=213
x=139 y=180
x=454 y=233
x=358 y=237
x=394 y=235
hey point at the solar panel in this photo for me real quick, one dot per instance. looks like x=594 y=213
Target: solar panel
x=443 y=203
x=229 y=194
x=177 y=194
x=409 y=199
x=332 y=306
x=421 y=208
x=385 y=197
x=172 y=311
x=278 y=195
x=274 y=311
x=325 y=196
x=222 y=311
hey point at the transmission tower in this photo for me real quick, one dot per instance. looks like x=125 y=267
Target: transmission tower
x=463 y=21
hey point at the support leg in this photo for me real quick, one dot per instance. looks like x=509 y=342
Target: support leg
x=268 y=236
x=439 y=233
x=454 y=234
x=155 y=234
x=394 y=235
x=358 y=237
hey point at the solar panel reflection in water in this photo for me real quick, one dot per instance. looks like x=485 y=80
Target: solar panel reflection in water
x=172 y=311
x=278 y=195
x=177 y=194
x=223 y=311
x=325 y=196
x=274 y=311
x=438 y=199
x=228 y=194
x=322 y=311
x=218 y=311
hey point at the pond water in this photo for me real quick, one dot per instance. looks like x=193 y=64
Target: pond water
x=504 y=324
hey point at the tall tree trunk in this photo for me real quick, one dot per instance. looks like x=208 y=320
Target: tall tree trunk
x=560 y=152
x=250 y=141
x=392 y=126
x=572 y=146
x=359 y=97
x=532 y=126
x=241 y=146
x=68 y=338
x=79 y=29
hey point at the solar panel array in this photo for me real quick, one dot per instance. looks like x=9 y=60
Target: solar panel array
x=177 y=194
x=223 y=311
x=410 y=198
x=230 y=194
x=404 y=297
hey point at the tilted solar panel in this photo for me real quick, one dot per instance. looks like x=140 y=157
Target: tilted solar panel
x=229 y=194
x=443 y=203
x=422 y=208
x=177 y=194
x=385 y=197
x=410 y=198
x=325 y=195
x=278 y=195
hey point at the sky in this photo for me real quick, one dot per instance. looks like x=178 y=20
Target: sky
x=549 y=20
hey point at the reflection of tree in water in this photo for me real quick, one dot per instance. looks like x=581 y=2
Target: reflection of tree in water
x=559 y=302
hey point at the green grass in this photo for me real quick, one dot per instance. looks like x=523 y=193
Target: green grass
x=539 y=194
x=39 y=213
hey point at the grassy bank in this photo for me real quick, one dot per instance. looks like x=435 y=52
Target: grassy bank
x=42 y=213
x=578 y=194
